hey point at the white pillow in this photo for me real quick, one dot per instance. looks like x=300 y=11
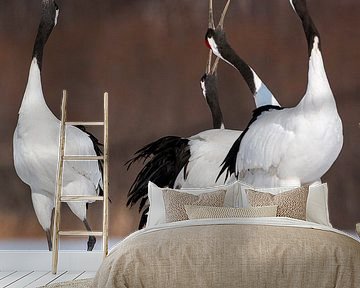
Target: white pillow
x=317 y=209
x=156 y=213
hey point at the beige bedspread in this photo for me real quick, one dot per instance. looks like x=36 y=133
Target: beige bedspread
x=233 y=255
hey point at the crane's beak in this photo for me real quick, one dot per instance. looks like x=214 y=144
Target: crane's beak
x=208 y=65
x=221 y=22
x=211 y=15
x=214 y=68
x=211 y=70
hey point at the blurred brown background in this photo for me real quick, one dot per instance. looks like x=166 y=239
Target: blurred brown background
x=150 y=55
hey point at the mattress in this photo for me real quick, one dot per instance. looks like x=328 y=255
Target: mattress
x=237 y=252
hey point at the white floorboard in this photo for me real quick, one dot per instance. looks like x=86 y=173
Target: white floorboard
x=21 y=267
x=42 y=260
x=28 y=279
x=46 y=279
x=34 y=279
x=68 y=276
x=12 y=278
x=5 y=274
x=31 y=269
x=87 y=275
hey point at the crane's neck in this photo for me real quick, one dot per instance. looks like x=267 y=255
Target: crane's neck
x=47 y=23
x=318 y=93
x=261 y=93
x=228 y=55
x=33 y=101
x=309 y=27
x=217 y=117
x=208 y=85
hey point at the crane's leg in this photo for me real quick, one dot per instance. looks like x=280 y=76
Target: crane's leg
x=92 y=240
x=48 y=237
x=43 y=203
x=79 y=209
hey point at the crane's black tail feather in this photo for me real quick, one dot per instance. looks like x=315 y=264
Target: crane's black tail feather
x=143 y=218
x=163 y=160
x=98 y=152
x=229 y=163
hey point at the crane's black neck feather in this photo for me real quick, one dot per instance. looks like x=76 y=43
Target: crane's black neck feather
x=308 y=24
x=211 y=95
x=229 y=163
x=47 y=23
x=230 y=55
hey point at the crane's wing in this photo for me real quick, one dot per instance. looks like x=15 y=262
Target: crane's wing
x=264 y=147
x=230 y=162
x=79 y=142
x=208 y=150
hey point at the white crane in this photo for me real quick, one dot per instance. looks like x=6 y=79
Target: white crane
x=292 y=146
x=36 y=140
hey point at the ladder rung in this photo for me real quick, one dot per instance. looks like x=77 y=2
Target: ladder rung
x=74 y=198
x=85 y=123
x=80 y=233
x=83 y=157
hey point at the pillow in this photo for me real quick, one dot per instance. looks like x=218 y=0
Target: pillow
x=290 y=203
x=317 y=210
x=156 y=213
x=232 y=191
x=201 y=212
x=175 y=201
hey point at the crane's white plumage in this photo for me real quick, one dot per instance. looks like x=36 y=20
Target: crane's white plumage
x=208 y=150
x=297 y=145
x=36 y=142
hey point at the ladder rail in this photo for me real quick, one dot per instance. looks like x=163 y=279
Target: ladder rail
x=56 y=225
x=59 y=198
x=106 y=176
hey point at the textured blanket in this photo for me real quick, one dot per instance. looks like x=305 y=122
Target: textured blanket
x=234 y=253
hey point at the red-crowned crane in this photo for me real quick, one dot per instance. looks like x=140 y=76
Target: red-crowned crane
x=36 y=142
x=292 y=146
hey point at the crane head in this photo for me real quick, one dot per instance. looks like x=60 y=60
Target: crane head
x=50 y=13
x=208 y=80
x=213 y=34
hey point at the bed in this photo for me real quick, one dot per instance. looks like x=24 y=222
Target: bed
x=191 y=241
x=234 y=252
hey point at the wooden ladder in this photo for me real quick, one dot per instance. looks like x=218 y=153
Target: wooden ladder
x=59 y=198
